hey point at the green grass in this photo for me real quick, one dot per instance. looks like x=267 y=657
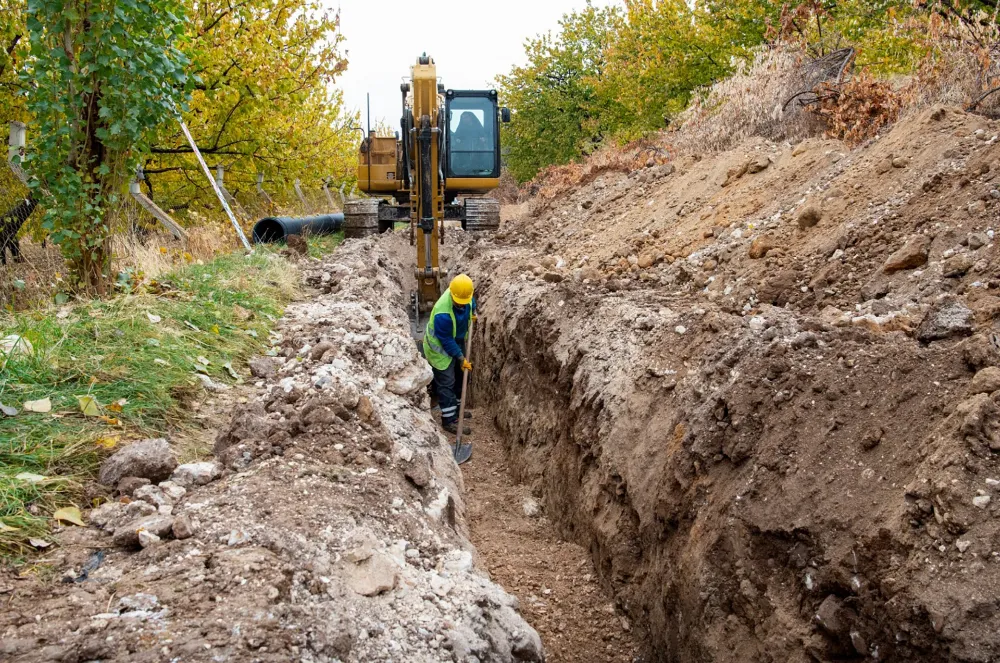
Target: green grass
x=320 y=245
x=115 y=352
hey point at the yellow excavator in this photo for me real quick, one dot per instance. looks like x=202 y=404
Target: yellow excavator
x=438 y=168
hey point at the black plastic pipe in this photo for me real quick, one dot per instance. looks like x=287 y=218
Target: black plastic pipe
x=278 y=228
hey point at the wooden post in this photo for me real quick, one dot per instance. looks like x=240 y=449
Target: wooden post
x=306 y=207
x=329 y=196
x=263 y=194
x=147 y=203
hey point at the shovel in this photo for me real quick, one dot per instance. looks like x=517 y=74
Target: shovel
x=463 y=452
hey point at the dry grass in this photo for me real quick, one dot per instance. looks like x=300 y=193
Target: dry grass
x=958 y=75
x=751 y=102
x=613 y=158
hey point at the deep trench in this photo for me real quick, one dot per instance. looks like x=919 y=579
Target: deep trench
x=535 y=557
x=695 y=521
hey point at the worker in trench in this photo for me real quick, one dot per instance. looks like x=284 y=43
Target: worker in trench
x=444 y=340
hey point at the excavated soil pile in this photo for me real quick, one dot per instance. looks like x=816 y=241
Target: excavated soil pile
x=335 y=532
x=761 y=388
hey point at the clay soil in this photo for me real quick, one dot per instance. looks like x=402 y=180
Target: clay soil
x=553 y=579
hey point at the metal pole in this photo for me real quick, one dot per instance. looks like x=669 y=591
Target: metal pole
x=215 y=186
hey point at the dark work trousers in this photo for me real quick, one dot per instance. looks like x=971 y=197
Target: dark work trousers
x=448 y=388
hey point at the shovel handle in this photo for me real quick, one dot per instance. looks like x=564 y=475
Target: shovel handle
x=465 y=389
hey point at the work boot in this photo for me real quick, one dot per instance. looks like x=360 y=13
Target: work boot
x=451 y=427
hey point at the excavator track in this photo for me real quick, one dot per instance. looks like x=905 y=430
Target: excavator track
x=481 y=214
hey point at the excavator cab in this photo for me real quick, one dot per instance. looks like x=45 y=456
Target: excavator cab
x=472 y=152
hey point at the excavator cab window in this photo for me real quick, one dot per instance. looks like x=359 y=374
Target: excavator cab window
x=473 y=140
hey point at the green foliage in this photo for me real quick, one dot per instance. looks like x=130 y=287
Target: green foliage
x=558 y=108
x=661 y=55
x=136 y=355
x=264 y=102
x=612 y=74
x=104 y=75
x=261 y=97
x=12 y=50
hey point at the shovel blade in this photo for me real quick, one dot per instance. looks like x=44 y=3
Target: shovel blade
x=463 y=452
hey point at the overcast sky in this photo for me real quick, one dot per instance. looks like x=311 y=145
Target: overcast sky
x=471 y=42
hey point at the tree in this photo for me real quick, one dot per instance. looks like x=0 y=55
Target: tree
x=104 y=75
x=264 y=101
x=663 y=52
x=557 y=111
x=13 y=45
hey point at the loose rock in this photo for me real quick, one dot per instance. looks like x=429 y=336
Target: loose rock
x=128 y=485
x=946 y=319
x=760 y=246
x=957 y=265
x=196 y=474
x=809 y=217
x=985 y=381
x=911 y=255
x=148 y=459
x=182 y=527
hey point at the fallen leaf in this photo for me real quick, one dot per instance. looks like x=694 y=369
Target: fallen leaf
x=8 y=411
x=89 y=406
x=191 y=325
x=111 y=421
x=204 y=361
x=153 y=342
x=153 y=317
x=201 y=369
x=252 y=333
x=214 y=329
x=232 y=372
x=70 y=514
x=13 y=344
x=39 y=543
x=29 y=477
x=109 y=442
x=41 y=406
x=161 y=362
x=4 y=527
x=115 y=407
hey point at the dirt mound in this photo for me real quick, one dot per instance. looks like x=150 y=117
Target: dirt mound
x=745 y=384
x=336 y=534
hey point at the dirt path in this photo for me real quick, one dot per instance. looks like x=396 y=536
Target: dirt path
x=553 y=579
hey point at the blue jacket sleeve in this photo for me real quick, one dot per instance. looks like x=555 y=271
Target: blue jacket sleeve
x=445 y=334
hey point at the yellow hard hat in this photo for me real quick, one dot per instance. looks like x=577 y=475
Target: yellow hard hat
x=461 y=289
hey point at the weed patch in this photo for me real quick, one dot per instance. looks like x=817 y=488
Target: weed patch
x=138 y=357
